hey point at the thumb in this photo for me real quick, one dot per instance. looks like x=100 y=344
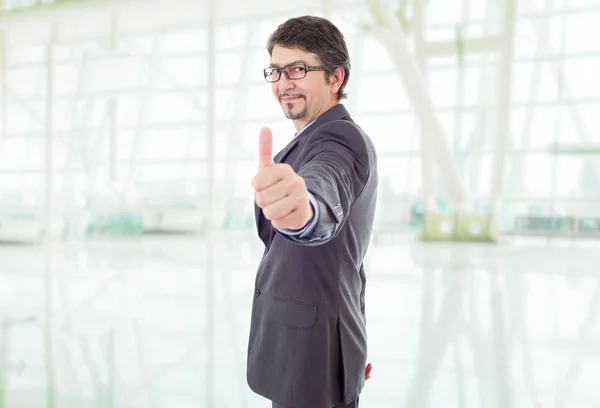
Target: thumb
x=265 y=148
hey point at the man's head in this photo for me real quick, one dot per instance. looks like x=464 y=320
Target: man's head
x=313 y=53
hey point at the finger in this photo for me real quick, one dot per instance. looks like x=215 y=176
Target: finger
x=280 y=210
x=295 y=220
x=290 y=213
x=275 y=192
x=269 y=176
x=265 y=148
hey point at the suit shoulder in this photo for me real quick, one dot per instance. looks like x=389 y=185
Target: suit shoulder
x=346 y=132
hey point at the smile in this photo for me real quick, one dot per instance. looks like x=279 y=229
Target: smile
x=290 y=98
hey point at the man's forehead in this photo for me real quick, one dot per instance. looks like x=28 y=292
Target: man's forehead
x=286 y=63
x=283 y=56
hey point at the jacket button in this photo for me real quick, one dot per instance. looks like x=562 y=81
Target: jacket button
x=256 y=293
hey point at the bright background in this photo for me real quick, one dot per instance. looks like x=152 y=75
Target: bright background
x=128 y=140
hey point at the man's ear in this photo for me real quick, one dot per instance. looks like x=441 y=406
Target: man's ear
x=336 y=79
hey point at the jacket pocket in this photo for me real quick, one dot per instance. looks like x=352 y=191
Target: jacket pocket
x=292 y=313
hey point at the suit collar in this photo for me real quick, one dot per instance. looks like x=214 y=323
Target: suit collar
x=337 y=112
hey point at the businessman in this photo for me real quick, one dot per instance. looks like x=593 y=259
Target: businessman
x=315 y=204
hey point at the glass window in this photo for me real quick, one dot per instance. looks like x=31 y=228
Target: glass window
x=233 y=35
x=381 y=93
x=577 y=176
x=534 y=127
x=173 y=108
x=444 y=11
x=583 y=31
x=534 y=81
x=374 y=58
x=24 y=117
x=25 y=55
x=581 y=77
x=188 y=41
x=400 y=176
x=391 y=133
x=534 y=178
x=26 y=82
x=178 y=73
x=537 y=37
x=115 y=74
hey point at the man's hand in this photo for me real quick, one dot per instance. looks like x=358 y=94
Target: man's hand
x=368 y=370
x=279 y=191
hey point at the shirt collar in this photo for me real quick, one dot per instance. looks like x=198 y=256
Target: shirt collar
x=304 y=128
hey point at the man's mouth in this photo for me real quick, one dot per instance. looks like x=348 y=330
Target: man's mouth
x=290 y=98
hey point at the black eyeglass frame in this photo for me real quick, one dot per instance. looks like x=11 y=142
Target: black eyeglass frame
x=307 y=69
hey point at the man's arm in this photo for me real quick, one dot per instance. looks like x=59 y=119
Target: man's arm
x=335 y=173
x=319 y=228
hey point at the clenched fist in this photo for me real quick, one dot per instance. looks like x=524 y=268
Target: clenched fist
x=279 y=191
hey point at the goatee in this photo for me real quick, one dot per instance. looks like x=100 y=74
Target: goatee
x=294 y=116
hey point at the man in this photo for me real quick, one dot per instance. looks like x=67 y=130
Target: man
x=315 y=204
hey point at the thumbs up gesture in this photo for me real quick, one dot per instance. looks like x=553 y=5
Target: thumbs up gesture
x=279 y=191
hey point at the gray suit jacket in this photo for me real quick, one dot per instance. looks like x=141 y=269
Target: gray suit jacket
x=308 y=340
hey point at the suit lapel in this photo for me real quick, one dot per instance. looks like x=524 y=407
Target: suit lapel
x=280 y=157
x=337 y=112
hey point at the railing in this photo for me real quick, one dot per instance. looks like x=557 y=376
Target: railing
x=568 y=226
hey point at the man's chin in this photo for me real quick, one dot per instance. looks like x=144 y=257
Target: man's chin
x=290 y=114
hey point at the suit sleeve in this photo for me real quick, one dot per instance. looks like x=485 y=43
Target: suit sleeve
x=335 y=171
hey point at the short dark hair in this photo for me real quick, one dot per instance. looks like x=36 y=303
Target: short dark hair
x=318 y=36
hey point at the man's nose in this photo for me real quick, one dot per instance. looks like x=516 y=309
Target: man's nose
x=285 y=84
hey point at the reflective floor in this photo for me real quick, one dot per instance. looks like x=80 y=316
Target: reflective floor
x=134 y=324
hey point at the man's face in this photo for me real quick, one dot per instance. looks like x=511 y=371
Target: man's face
x=302 y=100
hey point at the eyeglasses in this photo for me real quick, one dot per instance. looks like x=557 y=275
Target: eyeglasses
x=296 y=70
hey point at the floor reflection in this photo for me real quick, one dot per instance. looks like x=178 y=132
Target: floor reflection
x=132 y=324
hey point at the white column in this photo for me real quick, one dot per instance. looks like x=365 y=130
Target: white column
x=4 y=339
x=427 y=159
x=212 y=204
x=112 y=152
x=505 y=76
x=48 y=135
x=326 y=8
x=112 y=110
x=49 y=226
x=3 y=53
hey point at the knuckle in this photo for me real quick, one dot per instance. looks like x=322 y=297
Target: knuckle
x=287 y=169
x=303 y=196
x=298 y=182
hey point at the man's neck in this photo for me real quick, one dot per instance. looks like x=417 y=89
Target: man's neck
x=301 y=123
